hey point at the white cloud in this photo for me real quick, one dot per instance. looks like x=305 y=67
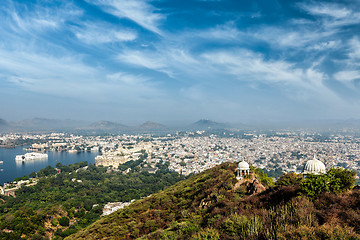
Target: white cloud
x=285 y=37
x=93 y=33
x=151 y=60
x=138 y=11
x=347 y=76
x=335 y=15
x=70 y=77
x=328 y=9
x=227 y=32
x=325 y=45
x=127 y=78
x=250 y=67
x=40 y=18
x=354 y=48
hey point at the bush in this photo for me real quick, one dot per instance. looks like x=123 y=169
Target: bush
x=289 y=179
x=64 y=221
x=241 y=225
x=341 y=179
x=337 y=180
x=206 y=234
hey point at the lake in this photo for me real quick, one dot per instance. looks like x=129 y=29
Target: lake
x=13 y=169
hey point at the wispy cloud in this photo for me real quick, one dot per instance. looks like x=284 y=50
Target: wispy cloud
x=334 y=14
x=354 y=48
x=250 y=67
x=138 y=11
x=38 y=19
x=69 y=77
x=97 y=33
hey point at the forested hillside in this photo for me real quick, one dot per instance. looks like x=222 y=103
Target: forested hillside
x=61 y=204
x=211 y=205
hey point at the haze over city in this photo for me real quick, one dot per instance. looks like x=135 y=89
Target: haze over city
x=180 y=61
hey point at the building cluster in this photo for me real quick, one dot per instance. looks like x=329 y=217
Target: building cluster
x=194 y=152
x=114 y=206
x=9 y=188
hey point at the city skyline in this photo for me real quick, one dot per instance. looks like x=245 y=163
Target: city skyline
x=169 y=61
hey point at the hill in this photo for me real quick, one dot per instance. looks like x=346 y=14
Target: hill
x=214 y=205
x=105 y=126
x=62 y=203
x=3 y=122
x=44 y=124
x=151 y=126
x=204 y=124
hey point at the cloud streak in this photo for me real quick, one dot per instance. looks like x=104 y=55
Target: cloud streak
x=138 y=11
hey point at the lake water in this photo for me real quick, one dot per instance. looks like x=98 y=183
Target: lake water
x=13 y=169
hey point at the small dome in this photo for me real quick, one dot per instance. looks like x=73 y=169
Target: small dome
x=314 y=166
x=243 y=165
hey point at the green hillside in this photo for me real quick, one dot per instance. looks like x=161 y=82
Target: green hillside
x=210 y=205
x=60 y=204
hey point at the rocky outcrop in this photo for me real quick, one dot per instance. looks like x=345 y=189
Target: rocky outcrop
x=255 y=187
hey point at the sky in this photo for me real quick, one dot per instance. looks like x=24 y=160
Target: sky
x=180 y=60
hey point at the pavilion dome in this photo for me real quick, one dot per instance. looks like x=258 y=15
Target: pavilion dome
x=314 y=166
x=243 y=165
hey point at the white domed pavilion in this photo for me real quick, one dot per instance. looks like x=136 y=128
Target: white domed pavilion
x=314 y=166
x=243 y=169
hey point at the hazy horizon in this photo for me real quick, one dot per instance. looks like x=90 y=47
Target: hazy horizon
x=180 y=61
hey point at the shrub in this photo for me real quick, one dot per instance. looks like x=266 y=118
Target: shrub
x=341 y=179
x=289 y=179
x=206 y=234
x=241 y=225
x=337 y=180
x=64 y=221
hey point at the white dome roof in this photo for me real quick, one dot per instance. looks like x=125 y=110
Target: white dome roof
x=314 y=166
x=243 y=165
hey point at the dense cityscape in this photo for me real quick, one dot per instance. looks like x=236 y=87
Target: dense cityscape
x=192 y=152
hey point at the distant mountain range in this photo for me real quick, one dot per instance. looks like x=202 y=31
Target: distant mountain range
x=43 y=124
x=104 y=127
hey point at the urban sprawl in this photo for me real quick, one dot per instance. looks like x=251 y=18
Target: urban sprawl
x=192 y=152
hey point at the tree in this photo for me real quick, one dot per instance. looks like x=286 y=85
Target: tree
x=337 y=180
x=341 y=179
x=289 y=179
x=315 y=184
x=32 y=175
x=64 y=221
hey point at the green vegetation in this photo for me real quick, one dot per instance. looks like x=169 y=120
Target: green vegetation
x=62 y=204
x=262 y=177
x=206 y=206
x=336 y=180
x=289 y=179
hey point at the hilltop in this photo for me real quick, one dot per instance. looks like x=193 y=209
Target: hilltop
x=3 y=122
x=151 y=126
x=204 y=124
x=214 y=205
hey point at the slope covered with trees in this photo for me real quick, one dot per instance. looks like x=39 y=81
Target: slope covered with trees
x=61 y=204
x=210 y=206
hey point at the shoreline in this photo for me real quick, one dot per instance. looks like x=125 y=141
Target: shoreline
x=12 y=145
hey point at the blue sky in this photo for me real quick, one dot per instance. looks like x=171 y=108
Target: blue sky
x=177 y=61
